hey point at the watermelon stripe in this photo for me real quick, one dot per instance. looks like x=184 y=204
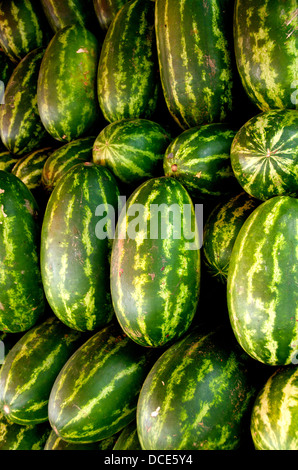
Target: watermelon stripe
x=29 y=168
x=18 y=437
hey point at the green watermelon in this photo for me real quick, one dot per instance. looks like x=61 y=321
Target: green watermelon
x=265 y=41
x=106 y=11
x=64 y=158
x=127 y=82
x=197 y=396
x=74 y=257
x=220 y=232
x=262 y=282
x=200 y=159
x=22 y=299
x=54 y=442
x=6 y=69
x=133 y=149
x=95 y=394
x=155 y=263
x=20 y=437
x=29 y=168
x=30 y=369
x=128 y=438
x=7 y=160
x=66 y=89
x=264 y=154
x=275 y=412
x=23 y=28
x=61 y=13
x=21 y=128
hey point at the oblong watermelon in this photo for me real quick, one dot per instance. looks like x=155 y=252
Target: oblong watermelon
x=264 y=154
x=262 y=282
x=21 y=437
x=30 y=369
x=265 y=41
x=61 y=13
x=95 y=394
x=106 y=11
x=66 y=91
x=197 y=396
x=155 y=263
x=74 y=259
x=22 y=299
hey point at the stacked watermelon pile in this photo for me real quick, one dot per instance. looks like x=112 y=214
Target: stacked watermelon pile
x=149 y=225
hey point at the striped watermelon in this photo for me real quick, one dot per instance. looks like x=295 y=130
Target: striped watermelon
x=106 y=11
x=133 y=149
x=262 y=282
x=30 y=369
x=66 y=90
x=6 y=69
x=95 y=394
x=200 y=159
x=64 y=158
x=21 y=292
x=275 y=412
x=61 y=13
x=127 y=71
x=20 y=126
x=197 y=396
x=221 y=230
x=155 y=265
x=29 y=168
x=128 y=438
x=74 y=258
x=23 y=28
x=264 y=154
x=195 y=47
x=16 y=437
x=266 y=52
x=7 y=160
x=55 y=442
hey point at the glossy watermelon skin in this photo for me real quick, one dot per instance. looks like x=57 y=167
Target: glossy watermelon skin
x=17 y=437
x=66 y=91
x=262 y=280
x=22 y=297
x=199 y=158
x=266 y=52
x=23 y=28
x=29 y=168
x=194 y=44
x=128 y=438
x=133 y=149
x=275 y=412
x=155 y=297
x=30 y=369
x=95 y=395
x=74 y=260
x=197 y=396
x=264 y=154
x=220 y=232
x=64 y=158
x=106 y=11
x=127 y=81
x=21 y=128
x=62 y=13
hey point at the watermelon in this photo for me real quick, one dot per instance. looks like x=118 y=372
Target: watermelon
x=155 y=263
x=61 y=13
x=195 y=55
x=23 y=28
x=29 y=168
x=133 y=149
x=22 y=299
x=106 y=11
x=275 y=412
x=74 y=257
x=262 y=282
x=95 y=394
x=197 y=396
x=266 y=52
x=7 y=160
x=128 y=438
x=128 y=81
x=6 y=69
x=264 y=154
x=221 y=230
x=30 y=369
x=66 y=89
x=54 y=442
x=21 y=128
x=16 y=437
x=64 y=158
x=200 y=159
